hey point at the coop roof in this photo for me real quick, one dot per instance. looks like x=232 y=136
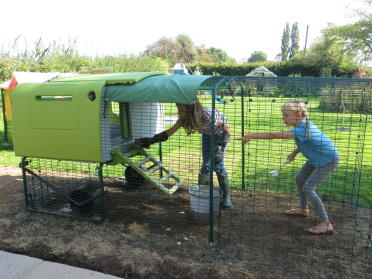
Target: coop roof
x=180 y=89
x=110 y=78
x=27 y=77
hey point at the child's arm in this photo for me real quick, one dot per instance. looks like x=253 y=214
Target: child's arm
x=224 y=126
x=293 y=154
x=160 y=137
x=174 y=128
x=267 y=135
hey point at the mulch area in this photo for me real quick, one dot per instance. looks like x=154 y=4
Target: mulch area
x=150 y=235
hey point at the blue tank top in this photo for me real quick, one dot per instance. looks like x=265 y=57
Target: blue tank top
x=317 y=147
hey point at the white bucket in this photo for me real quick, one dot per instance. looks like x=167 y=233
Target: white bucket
x=199 y=197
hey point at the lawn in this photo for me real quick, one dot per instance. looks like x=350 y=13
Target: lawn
x=249 y=165
x=351 y=180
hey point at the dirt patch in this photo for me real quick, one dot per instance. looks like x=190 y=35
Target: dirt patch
x=150 y=235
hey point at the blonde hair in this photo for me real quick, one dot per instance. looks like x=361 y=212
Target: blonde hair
x=194 y=118
x=298 y=106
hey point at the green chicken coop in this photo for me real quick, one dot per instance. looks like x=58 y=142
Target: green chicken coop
x=92 y=120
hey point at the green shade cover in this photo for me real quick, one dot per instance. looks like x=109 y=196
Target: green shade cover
x=179 y=89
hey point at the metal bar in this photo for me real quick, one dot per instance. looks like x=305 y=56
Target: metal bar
x=212 y=146
x=161 y=157
x=103 y=193
x=25 y=191
x=243 y=133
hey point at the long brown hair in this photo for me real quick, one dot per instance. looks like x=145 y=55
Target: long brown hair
x=192 y=117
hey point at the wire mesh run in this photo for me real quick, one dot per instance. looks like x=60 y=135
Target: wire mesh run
x=64 y=188
x=150 y=190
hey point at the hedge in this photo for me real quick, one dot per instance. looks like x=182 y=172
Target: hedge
x=288 y=68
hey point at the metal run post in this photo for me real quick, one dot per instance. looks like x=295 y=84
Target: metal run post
x=212 y=154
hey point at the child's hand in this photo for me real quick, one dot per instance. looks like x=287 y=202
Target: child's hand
x=143 y=142
x=291 y=156
x=224 y=127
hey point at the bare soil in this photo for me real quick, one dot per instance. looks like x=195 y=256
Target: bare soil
x=150 y=235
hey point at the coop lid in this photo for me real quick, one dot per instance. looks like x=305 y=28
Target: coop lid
x=111 y=78
x=161 y=88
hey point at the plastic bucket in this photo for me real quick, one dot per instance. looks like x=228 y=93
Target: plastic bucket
x=199 y=198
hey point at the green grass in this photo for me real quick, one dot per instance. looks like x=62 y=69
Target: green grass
x=182 y=154
x=350 y=180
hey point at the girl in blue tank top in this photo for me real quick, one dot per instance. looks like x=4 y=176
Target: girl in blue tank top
x=321 y=154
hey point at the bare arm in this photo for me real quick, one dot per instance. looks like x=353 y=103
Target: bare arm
x=267 y=135
x=174 y=128
x=293 y=154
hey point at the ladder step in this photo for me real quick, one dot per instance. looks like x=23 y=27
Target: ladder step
x=143 y=161
x=126 y=160
x=154 y=168
x=133 y=152
x=167 y=176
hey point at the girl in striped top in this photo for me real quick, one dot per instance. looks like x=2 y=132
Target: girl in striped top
x=196 y=118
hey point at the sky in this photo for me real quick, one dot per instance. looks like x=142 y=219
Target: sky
x=114 y=27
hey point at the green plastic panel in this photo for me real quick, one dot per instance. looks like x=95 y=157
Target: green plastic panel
x=58 y=120
x=124 y=120
x=112 y=78
x=60 y=106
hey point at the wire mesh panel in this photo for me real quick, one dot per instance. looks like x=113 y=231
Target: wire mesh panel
x=159 y=189
x=264 y=185
x=64 y=188
x=148 y=189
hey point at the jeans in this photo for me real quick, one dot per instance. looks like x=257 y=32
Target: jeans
x=219 y=168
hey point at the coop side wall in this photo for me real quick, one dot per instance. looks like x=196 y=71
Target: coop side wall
x=47 y=124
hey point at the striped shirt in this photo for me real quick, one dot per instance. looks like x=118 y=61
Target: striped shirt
x=218 y=117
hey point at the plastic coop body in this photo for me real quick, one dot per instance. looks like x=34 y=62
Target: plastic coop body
x=85 y=117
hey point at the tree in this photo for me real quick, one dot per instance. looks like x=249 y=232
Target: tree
x=351 y=40
x=165 y=48
x=356 y=38
x=285 y=43
x=295 y=41
x=219 y=55
x=204 y=55
x=179 y=50
x=257 y=56
x=183 y=50
x=327 y=54
x=187 y=49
